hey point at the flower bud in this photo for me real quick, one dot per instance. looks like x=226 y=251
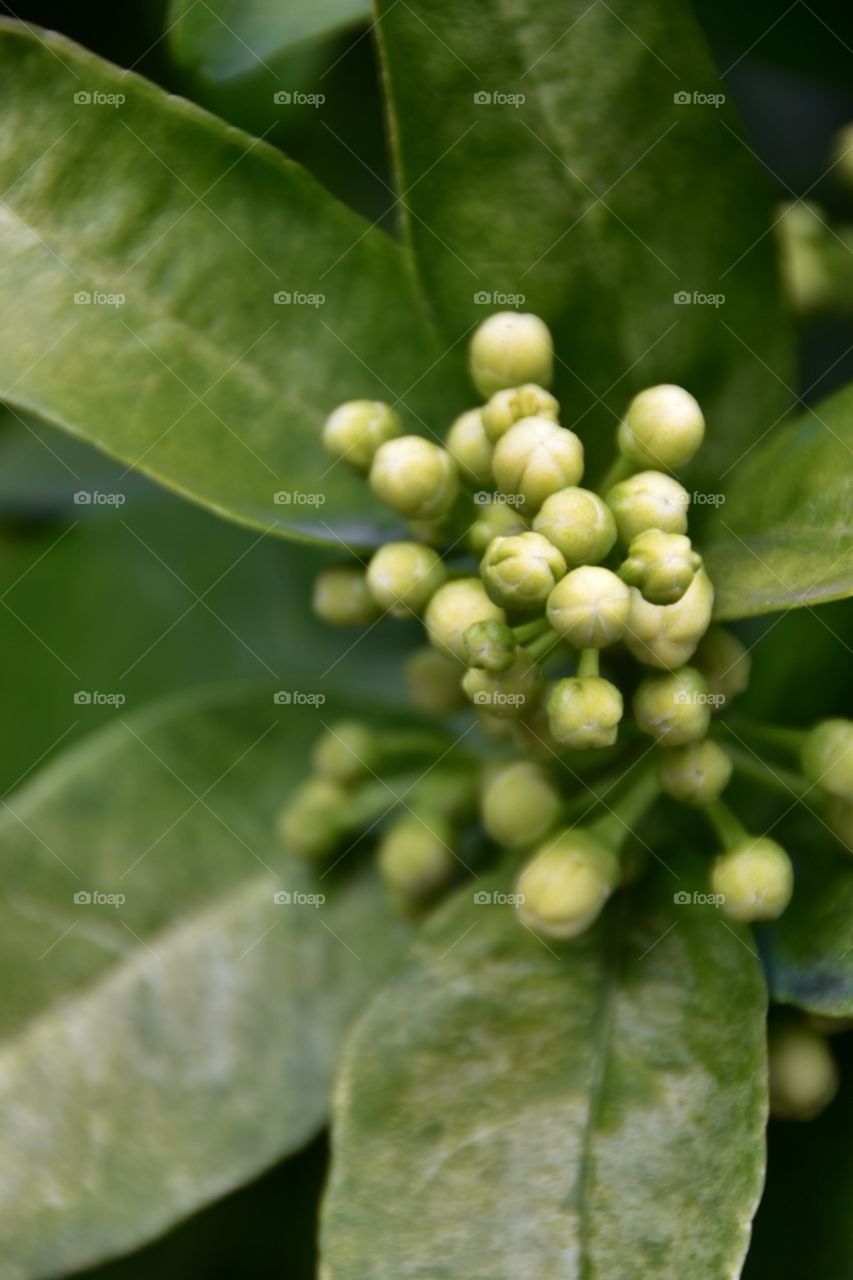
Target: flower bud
x=724 y=662
x=648 y=500
x=519 y=804
x=415 y=857
x=453 y=609
x=803 y=1077
x=504 y=694
x=565 y=885
x=660 y=565
x=434 y=682
x=755 y=880
x=494 y=520
x=508 y=349
x=673 y=709
x=663 y=427
x=345 y=753
x=666 y=635
x=469 y=445
x=508 y=407
x=827 y=757
x=584 y=712
x=696 y=773
x=589 y=607
x=490 y=645
x=579 y=523
x=356 y=429
x=309 y=825
x=414 y=477
x=535 y=459
x=521 y=571
x=402 y=577
x=341 y=596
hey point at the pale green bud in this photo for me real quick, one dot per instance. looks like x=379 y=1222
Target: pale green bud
x=666 y=635
x=402 y=577
x=345 y=753
x=648 y=500
x=415 y=857
x=505 y=694
x=453 y=609
x=341 y=596
x=696 y=773
x=519 y=804
x=521 y=571
x=673 y=709
x=724 y=662
x=310 y=824
x=589 y=607
x=564 y=886
x=827 y=757
x=579 y=523
x=494 y=520
x=663 y=427
x=490 y=645
x=508 y=407
x=584 y=712
x=356 y=429
x=660 y=565
x=414 y=477
x=469 y=445
x=434 y=682
x=535 y=459
x=806 y=255
x=508 y=349
x=755 y=880
x=803 y=1076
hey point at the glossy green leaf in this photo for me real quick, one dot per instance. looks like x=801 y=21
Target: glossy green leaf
x=809 y=951
x=116 y=191
x=546 y=156
x=161 y=1048
x=784 y=537
x=596 y=1109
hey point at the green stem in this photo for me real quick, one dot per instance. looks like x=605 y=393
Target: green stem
x=543 y=644
x=619 y=470
x=530 y=630
x=776 y=777
x=727 y=825
x=617 y=824
x=588 y=663
x=410 y=742
x=773 y=735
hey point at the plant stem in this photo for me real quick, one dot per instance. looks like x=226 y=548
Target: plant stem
x=530 y=630
x=543 y=644
x=776 y=777
x=726 y=824
x=614 y=828
x=620 y=469
x=588 y=663
x=773 y=735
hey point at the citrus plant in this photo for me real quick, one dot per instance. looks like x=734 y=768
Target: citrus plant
x=502 y=812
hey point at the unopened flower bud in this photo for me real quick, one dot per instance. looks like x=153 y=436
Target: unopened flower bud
x=803 y=1076
x=660 y=565
x=490 y=645
x=754 y=879
x=584 y=712
x=469 y=445
x=827 y=757
x=505 y=694
x=402 y=577
x=434 y=681
x=510 y=348
x=345 y=753
x=589 y=607
x=579 y=523
x=494 y=520
x=535 y=459
x=696 y=773
x=414 y=477
x=565 y=885
x=341 y=596
x=508 y=407
x=648 y=500
x=663 y=427
x=309 y=825
x=415 y=857
x=673 y=709
x=356 y=429
x=724 y=662
x=521 y=571
x=666 y=635
x=453 y=609
x=520 y=803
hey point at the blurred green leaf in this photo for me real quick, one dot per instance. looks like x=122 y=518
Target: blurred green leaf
x=160 y=1050
x=809 y=951
x=596 y=1108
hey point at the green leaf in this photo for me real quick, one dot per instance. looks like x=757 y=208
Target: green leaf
x=158 y=1052
x=809 y=951
x=596 y=1109
x=783 y=537
x=598 y=198
x=198 y=378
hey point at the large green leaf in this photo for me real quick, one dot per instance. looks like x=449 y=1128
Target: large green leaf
x=199 y=378
x=155 y=1053
x=783 y=537
x=599 y=198
x=809 y=951
x=596 y=1109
